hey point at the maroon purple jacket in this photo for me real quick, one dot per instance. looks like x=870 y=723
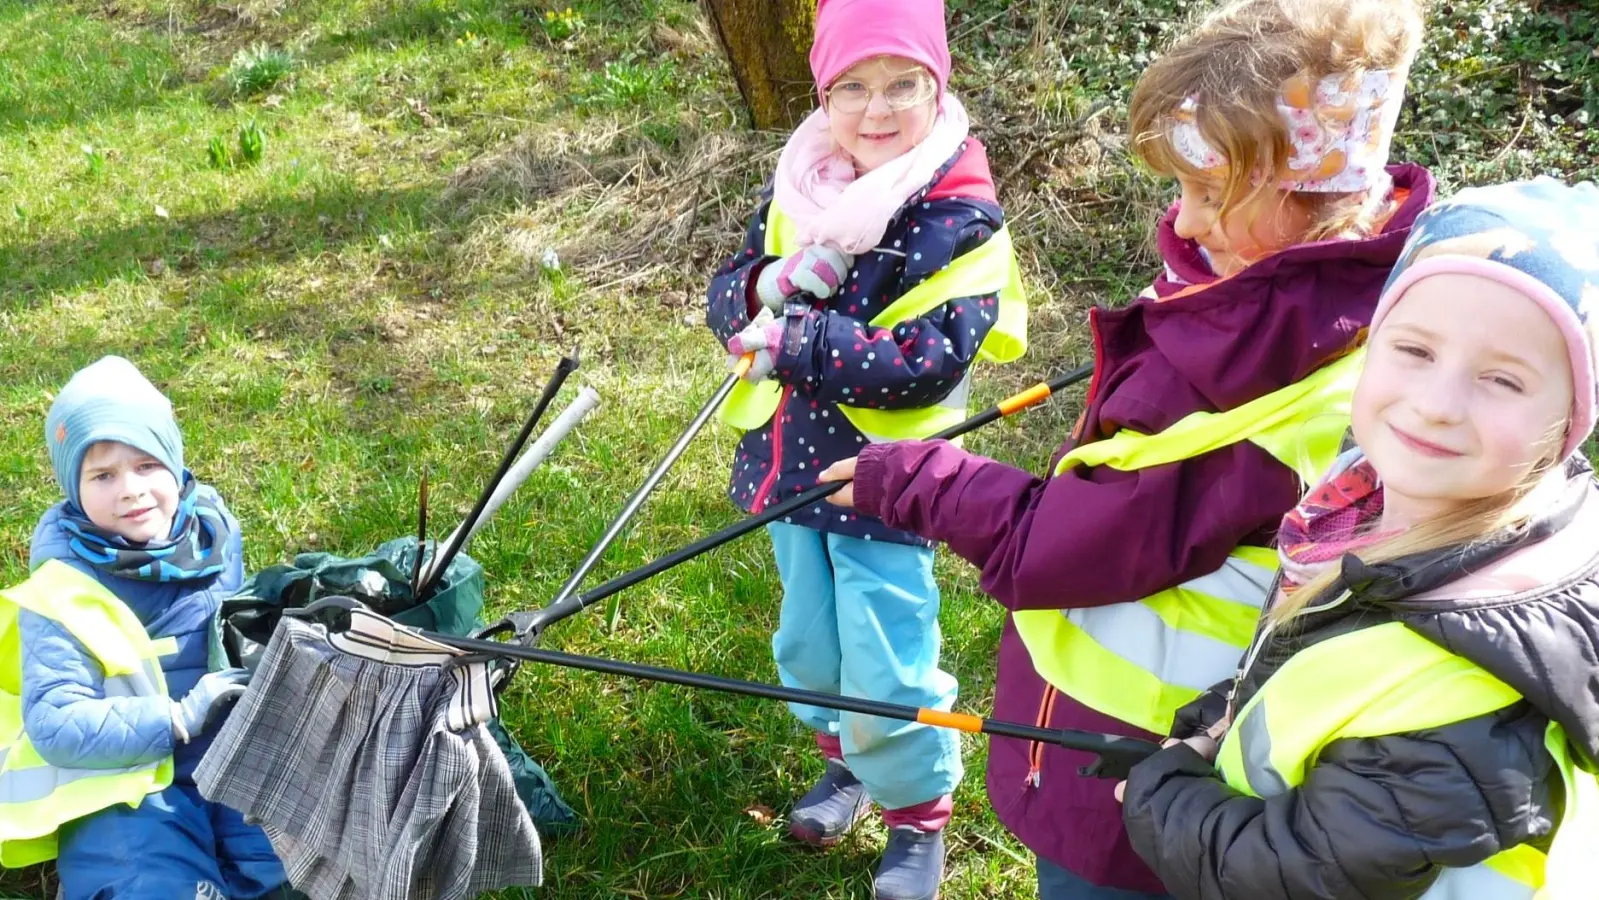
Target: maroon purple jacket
x=1094 y=536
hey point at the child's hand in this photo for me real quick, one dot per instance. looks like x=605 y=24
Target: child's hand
x=815 y=270
x=1206 y=745
x=762 y=337
x=1203 y=744
x=843 y=470
x=213 y=691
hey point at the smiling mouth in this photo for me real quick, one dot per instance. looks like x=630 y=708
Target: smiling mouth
x=880 y=138
x=139 y=513
x=1425 y=448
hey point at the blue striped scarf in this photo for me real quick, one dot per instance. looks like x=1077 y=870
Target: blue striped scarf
x=193 y=551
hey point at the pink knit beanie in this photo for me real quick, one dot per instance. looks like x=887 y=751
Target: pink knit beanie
x=848 y=31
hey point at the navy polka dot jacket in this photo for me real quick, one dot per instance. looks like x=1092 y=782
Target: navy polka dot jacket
x=842 y=360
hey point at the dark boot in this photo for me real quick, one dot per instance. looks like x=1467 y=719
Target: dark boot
x=912 y=866
x=830 y=809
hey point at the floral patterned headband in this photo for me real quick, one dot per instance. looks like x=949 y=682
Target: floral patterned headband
x=1341 y=129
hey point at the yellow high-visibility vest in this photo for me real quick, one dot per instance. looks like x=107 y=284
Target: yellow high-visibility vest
x=1317 y=697
x=36 y=798
x=1142 y=660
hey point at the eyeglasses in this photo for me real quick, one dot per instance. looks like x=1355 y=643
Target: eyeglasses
x=904 y=92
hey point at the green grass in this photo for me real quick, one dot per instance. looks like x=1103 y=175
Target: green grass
x=259 y=68
x=365 y=298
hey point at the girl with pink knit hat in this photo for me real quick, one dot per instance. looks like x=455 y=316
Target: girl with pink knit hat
x=873 y=278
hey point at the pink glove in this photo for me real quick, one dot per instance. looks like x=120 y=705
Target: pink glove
x=815 y=270
x=763 y=336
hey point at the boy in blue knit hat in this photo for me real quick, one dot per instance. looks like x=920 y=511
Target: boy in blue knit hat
x=136 y=522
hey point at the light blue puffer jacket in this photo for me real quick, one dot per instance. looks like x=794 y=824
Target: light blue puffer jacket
x=65 y=710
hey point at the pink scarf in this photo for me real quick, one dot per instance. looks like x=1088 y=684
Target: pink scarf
x=816 y=185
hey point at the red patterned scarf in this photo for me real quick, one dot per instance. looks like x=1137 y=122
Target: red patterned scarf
x=1333 y=519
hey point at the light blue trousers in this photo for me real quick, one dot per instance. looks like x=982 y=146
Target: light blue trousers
x=860 y=618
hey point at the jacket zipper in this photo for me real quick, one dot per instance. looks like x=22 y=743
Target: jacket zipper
x=1035 y=749
x=759 y=503
x=1099 y=358
x=1263 y=634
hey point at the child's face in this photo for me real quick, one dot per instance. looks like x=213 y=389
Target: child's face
x=128 y=492
x=1267 y=222
x=1466 y=387
x=880 y=109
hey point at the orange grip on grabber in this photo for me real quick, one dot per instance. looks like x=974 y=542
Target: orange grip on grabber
x=742 y=367
x=958 y=721
x=1033 y=396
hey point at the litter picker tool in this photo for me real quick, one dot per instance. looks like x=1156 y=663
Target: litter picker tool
x=563 y=370
x=635 y=502
x=1115 y=754
x=587 y=401
x=526 y=625
x=421 y=532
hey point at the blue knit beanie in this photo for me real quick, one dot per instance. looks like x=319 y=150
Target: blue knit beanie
x=1538 y=237
x=109 y=401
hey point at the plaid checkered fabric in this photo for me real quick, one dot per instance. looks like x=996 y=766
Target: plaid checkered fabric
x=365 y=760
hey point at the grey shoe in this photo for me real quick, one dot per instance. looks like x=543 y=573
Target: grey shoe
x=830 y=809
x=912 y=866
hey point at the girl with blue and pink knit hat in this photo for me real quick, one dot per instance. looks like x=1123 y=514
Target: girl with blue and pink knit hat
x=869 y=283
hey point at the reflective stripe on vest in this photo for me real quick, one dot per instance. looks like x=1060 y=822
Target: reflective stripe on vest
x=1317 y=697
x=1485 y=882
x=1191 y=640
x=36 y=798
x=1141 y=661
x=989 y=269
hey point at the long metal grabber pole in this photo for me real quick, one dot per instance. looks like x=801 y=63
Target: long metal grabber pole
x=639 y=496
x=527 y=625
x=563 y=369
x=1116 y=754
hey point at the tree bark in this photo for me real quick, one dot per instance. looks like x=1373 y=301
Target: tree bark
x=768 y=45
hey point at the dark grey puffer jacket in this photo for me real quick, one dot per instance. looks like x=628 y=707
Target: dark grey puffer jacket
x=1376 y=818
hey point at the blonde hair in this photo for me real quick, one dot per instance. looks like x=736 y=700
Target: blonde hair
x=1236 y=62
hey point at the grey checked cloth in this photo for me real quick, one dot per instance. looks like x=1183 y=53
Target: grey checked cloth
x=365 y=760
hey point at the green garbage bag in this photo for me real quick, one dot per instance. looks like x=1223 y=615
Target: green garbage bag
x=382 y=581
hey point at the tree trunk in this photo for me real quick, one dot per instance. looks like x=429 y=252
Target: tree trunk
x=768 y=44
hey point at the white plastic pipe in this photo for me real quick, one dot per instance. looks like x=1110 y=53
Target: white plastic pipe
x=587 y=400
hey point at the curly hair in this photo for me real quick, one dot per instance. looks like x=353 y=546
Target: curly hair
x=1237 y=62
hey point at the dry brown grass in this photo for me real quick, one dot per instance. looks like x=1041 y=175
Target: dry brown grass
x=620 y=210
x=629 y=217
